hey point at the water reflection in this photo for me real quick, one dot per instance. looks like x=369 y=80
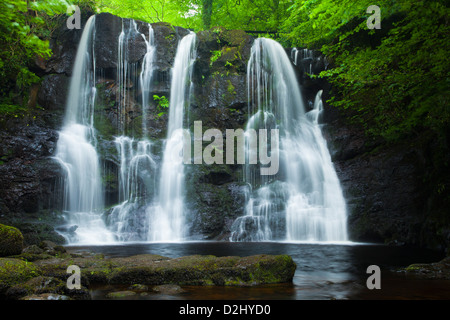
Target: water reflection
x=323 y=271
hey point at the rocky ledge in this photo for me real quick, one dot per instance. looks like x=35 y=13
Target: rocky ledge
x=41 y=272
x=436 y=270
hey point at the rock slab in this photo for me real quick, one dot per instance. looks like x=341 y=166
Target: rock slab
x=190 y=270
x=48 y=273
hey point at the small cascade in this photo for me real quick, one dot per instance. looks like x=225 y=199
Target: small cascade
x=137 y=170
x=307 y=57
x=319 y=215
x=127 y=72
x=146 y=76
x=167 y=221
x=76 y=151
x=304 y=58
x=303 y=201
x=128 y=220
x=294 y=55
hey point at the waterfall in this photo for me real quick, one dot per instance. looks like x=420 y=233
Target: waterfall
x=167 y=222
x=76 y=151
x=146 y=76
x=137 y=183
x=294 y=55
x=304 y=200
x=306 y=59
x=137 y=170
x=127 y=72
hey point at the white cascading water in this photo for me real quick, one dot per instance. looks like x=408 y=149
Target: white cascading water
x=76 y=152
x=146 y=76
x=167 y=217
x=304 y=200
x=137 y=183
x=137 y=171
x=306 y=58
x=126 y=75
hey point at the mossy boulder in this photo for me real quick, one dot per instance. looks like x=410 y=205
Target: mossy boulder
x=11 y=241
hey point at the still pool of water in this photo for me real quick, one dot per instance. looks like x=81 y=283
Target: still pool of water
x=324 y=271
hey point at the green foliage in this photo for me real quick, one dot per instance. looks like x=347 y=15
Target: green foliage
x=258 y=15
x=393 y=80
x=25 y=28
x=182 y=13
x=203 y=14
x=10 y=110
x=207 y=13
x=163 y=104
x=230 y=88
x=215 y=55
x=162 y=101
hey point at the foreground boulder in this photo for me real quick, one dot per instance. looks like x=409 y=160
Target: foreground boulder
x=191 y=270
x=11 y=241
x=44 y=276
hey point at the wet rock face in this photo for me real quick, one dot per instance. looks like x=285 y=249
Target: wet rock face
x=30 y=189
x=28 y=171
x=221 y=73
x=214 y=193
x=383 y=196
x=384 y=185
x=107 y=31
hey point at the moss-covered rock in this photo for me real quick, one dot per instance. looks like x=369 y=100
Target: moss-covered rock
x=46 y=277
x=437 y=270
x=46 y=296
x=36 y=285
x=169 y=289
x=191 y=270
x=213 y=199
x=120 y=294
x=15 y=271
x=11 y=241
